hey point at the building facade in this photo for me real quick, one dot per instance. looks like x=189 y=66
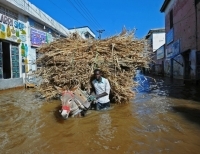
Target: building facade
x=182 y=38
x=23 y=28
x=155 y=39
x=85 y=32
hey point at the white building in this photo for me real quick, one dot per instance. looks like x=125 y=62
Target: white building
x=85 y=32
x=155 y=38
x=23 y=28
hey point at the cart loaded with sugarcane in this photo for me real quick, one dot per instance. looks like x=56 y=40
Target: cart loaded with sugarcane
x=67 y=66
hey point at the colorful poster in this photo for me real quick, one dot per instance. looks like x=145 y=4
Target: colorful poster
x=38 y=37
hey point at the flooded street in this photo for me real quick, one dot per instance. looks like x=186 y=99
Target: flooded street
x=165 y=120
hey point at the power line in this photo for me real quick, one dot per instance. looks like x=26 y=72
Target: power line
x=40 y=14
x=64 y=11
x=88 y=12
x=80 y=12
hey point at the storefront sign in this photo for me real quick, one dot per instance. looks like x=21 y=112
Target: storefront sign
x=160 y=52
x=11 y=29
x=173 y=49
x=6 y=20
x=38 y=37
x=170 y=36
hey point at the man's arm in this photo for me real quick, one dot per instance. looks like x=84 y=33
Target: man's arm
x=101 y=95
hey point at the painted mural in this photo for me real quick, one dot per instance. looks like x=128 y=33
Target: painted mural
x=15 y=31
x=12 y=30
x=178 y=67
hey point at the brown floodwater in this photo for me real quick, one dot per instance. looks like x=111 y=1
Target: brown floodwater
x=165 y=120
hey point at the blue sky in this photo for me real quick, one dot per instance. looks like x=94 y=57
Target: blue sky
x=110 y=15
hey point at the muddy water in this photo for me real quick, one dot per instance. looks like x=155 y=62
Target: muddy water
x=166 y=120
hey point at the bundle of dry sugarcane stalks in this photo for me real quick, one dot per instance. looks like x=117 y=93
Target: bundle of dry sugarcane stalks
x=69 y=62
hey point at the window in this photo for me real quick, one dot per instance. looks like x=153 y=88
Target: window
x=171 y=19
x=8 y=13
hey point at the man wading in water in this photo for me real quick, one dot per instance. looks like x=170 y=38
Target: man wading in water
x=101 y=87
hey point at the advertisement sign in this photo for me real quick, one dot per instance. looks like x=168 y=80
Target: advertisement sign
x=170 y=36
x=38 y=37
x=160 y=52
x=11 y=29
x=173 y=49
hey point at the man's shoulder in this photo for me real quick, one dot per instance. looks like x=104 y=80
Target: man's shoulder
x=105 y=80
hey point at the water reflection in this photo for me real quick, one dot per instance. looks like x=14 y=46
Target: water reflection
x=105 y=129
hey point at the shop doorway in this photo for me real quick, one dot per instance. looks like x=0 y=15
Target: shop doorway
x=5 y=67
x=9 y=60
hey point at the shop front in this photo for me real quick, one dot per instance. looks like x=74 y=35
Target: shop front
x=174 y=61
x=13 y=49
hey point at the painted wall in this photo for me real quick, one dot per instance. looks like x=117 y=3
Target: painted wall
x=15 y=31
x=19 y=31
x=184 y=22
x=82 y=32
x=184 y=31
x=158 y=40
x=198 y=26
x=25 y=7
x=10 y=83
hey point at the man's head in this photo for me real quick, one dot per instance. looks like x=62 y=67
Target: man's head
x=97 y=74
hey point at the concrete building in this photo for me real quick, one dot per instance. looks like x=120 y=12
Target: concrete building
x=155 y=38
x=182 y=38
x=85 y=32
x=23 y=28
x=155 y=41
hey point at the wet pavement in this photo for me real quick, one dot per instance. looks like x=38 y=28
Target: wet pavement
x=165 y=120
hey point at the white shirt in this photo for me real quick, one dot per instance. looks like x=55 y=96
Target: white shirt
x=101 y=87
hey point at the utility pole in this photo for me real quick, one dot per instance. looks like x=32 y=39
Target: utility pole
x=100 y=31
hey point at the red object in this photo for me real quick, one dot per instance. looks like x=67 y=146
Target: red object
x=66 y=108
